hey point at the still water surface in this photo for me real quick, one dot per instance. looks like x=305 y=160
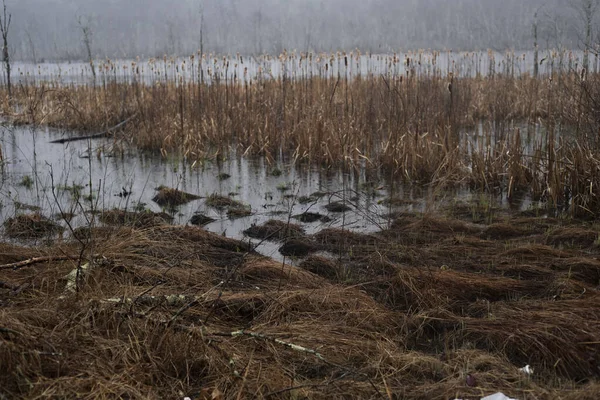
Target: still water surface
x=110 y=169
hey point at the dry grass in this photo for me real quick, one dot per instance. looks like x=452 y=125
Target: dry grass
x=275 y=230
x=169 y=197
x=31 y=226
x=409 y=312
x=532 y=134
x=159 y=312
x=136 y=219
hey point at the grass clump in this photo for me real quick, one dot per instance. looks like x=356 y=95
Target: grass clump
x=221 y=203
x=337 y=207
x=168 y=197
x=274 y=230
x=201 y=219
x=27 y=182
x=233 y=208
x=134 y=218
x=31 y=226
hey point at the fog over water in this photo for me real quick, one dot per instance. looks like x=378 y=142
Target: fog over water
x=44 y=30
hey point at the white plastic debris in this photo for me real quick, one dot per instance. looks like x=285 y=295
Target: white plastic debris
x=74 y=275
x=526 y=370
x=497 y=396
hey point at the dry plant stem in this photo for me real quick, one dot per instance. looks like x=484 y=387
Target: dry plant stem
x=36 y=260
x=84 y=244
x=245 y=377
x=292 y=346
x=406 y=125
x=145 y=292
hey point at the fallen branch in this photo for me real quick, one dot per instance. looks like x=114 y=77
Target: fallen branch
x=278 y=341
x=96 y=135
x=173 y=300
x=21 y=264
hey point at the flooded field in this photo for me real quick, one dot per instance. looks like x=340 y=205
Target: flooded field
x=73 y=179
x=417 y=237
x=441 y=305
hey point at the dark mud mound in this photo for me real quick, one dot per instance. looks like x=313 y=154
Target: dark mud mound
x=233 y=208
x=337 y=207
x=239 y=212
x=335 y=238
x=505 y=231
x=298 y=248
x=200 y=219
x=31 y=226
x=142 y=219
x=222 y=203
x=324 y=267
x=168 y=197
x=311 y=217
x=86 y=233
x=577 y=237
x=275 y=230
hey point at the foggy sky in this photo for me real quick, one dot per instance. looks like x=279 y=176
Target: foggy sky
x=49 y=29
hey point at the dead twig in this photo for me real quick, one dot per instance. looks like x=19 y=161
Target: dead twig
x=36 y=260
x=256 y=335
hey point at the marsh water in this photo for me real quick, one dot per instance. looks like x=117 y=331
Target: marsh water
x=40 y=176
x=292 y=66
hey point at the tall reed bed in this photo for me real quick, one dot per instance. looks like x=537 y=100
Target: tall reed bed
x=408 y=115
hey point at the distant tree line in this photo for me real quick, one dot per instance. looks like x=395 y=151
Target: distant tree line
x=52 y=29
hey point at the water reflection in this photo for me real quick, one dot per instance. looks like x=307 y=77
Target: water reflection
x=74 y=177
